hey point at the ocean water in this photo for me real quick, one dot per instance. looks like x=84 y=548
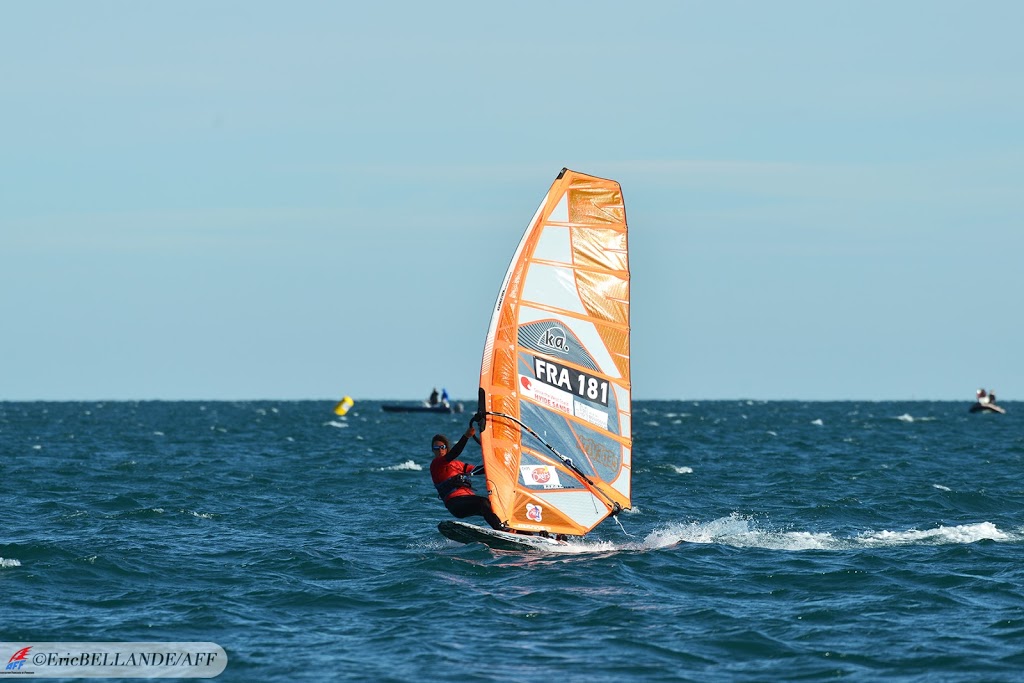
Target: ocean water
x=769 y=541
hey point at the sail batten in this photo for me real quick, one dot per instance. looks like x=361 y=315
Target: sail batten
x=571 y=314
x=597 y=270
x=556 y=365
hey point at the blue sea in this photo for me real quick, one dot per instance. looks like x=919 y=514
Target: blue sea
x=769 y=541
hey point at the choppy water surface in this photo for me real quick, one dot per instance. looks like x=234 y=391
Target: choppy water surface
x=769 y=541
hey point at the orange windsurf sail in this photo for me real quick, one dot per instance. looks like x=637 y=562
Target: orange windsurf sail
x=555 y=376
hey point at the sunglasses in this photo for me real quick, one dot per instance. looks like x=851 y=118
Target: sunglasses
x=438 y=447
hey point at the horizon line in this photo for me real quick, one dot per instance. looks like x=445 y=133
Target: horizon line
x=473 y=401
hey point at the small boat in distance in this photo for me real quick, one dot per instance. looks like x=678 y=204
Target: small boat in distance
x=985 y=402
x=422 y=407
x=434 y=404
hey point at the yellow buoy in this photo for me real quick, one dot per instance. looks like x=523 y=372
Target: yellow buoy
x=343 y=405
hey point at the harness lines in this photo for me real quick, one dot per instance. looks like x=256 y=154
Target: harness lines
x=449 y=485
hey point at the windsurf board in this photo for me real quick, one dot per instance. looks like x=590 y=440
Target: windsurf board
x=464 y=532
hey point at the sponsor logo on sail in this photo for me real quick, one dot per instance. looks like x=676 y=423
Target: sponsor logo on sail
x=549 y=397
x=554 y=338
x=591 y=415
x=534 y=512
x=540 y=475
x=599 y=453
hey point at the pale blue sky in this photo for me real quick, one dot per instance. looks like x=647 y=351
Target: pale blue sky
x=231 y=200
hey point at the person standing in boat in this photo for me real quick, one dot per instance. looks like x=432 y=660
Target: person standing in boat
x=451 y=479
x=433 y=397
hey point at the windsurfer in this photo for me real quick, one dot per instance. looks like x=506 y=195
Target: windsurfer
x=451 y=479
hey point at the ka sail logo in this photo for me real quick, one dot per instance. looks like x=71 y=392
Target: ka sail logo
x=17 y=660
x=554 y=338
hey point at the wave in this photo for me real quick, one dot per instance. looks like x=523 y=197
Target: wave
x=942 y=535
x=741 y=532
x=907 y=417
x=407 y=465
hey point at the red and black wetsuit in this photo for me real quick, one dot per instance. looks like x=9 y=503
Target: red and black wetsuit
x=452 y=483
